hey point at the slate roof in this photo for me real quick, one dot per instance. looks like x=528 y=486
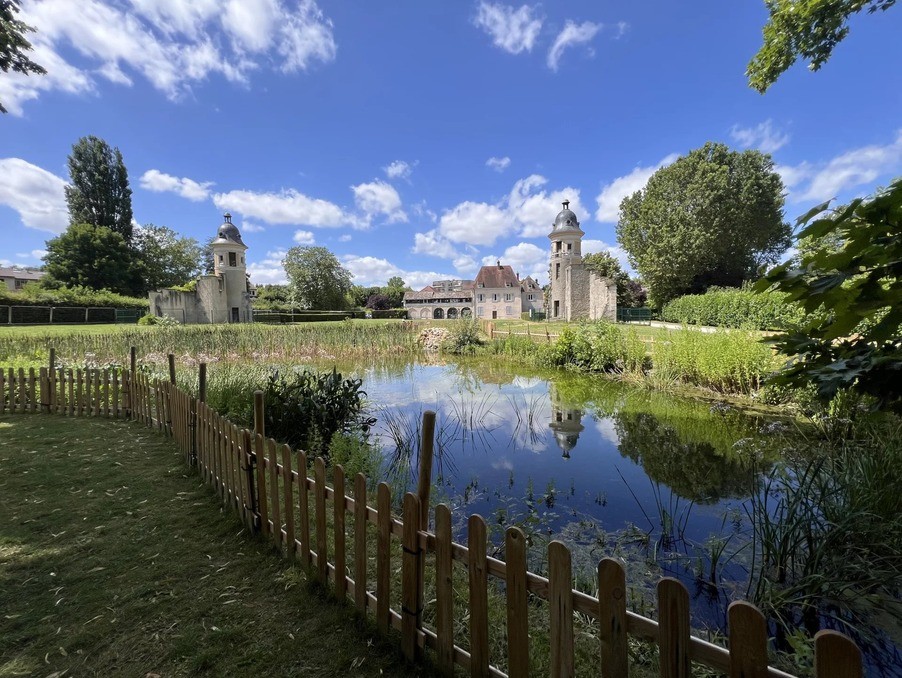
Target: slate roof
x=20 y=274
x=430 y=293
x=524 y=284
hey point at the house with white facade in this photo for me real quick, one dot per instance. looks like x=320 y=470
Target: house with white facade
x=16 y=278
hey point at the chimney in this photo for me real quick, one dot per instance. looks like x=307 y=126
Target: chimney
x=566 y=204
x=499 y=263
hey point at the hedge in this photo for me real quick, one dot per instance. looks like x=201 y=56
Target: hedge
x=396 y=313
x=35 y=295
x=304 y=316
x=730 y=307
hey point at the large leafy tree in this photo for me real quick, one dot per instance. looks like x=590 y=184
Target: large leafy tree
x=853 y=294
x=808 y=29
x=394 y=291
x=165 y=258
x=92 y=256
x=316 y=278
x=13 y=44
x=99 y=193
x=713 y=217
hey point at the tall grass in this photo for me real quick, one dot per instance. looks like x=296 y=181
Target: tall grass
x=295 y=343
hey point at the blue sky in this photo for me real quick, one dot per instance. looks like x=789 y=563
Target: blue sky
x=422 y=139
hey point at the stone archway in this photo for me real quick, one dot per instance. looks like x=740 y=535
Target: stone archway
x=438 y=314
x=452 y=313
x=466 y=312
x=424 y=313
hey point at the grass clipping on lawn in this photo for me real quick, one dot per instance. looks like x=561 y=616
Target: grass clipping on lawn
x=116 y=560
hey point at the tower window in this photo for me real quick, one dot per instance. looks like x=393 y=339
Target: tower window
x=557 y=271
x=220 y=258
x=233 y=259
x=569 y=246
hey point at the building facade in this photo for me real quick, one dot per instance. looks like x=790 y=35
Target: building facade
x=497 y=292
x=15 y=279
x=576 y=293
x=223 y=297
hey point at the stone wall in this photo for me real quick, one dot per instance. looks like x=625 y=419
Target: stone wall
x=589 y=297
x=602 y=298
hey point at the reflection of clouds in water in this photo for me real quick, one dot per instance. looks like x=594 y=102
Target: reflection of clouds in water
x=528 y=383
x=503 y=464
x=607 y=428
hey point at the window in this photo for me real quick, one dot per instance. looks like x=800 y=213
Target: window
x=220 y=258
x=494 y=297
x=481 y=297
x=531 y=297
x=508 y=297
x=569 y=246
x=233 y=259
x=557 y=271
x=508 y=311
x=242 y=259
x=480 y=311
x=480 y=284
x=508 y=284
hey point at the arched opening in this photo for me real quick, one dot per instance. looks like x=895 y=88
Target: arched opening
x=438 y=314
x=424 y=313
x=466 y=312
x=452 y=313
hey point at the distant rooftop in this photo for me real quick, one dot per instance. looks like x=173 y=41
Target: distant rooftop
x=21 y=273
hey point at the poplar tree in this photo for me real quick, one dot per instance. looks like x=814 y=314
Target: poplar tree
x=99 y=193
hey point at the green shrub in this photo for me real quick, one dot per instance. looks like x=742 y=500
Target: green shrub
x=598 y=347
x=33 y=294
x=356 y=454
x=730 y=307
x=396 y=313
x=274 y=317
x=464 y=337
x=148 y=319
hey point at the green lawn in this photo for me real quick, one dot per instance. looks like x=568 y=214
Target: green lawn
x=116 y=561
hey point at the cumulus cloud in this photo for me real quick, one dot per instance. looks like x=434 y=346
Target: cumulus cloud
x=268 y=271
x=613 y=193
x=573 y=34
x=344 y=238
x=251 y=227
x=512 y=29
x=525 y=258
x=528 y=210
x=498 y=164
x=36 y=194
x=432 y=243
x=286 y=207
x=858 y=167
x=379 y=198
x=304 y=238
x=375 y=271
x=593 y=246
x=399 y=169
x=159 y=182
x=764 y=136
x=170 y=43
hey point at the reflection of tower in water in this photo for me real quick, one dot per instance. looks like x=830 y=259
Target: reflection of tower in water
x=566 y=423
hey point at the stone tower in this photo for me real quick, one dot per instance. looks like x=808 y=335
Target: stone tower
x=566 y=250
x=230 y=267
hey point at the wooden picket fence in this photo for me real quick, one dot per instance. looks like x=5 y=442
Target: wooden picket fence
x=268 y=486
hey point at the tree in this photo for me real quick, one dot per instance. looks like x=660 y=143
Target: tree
x=13 y=44
x=630 y=294
x=711 y=218
x=273 y=297
x=810 y=30
x=316 y=278
x=853 y=294
x=165 y=258
x=95 y=257
x=99 y=193
x=379 y=302
x=394 y=291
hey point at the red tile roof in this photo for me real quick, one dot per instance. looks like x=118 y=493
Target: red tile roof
x=497 y=276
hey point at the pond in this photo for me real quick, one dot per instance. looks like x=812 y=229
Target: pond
x=610 y=469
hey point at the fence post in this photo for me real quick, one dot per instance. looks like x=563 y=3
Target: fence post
x=51 y=385
x=254 y=464
x=673 y=628
x=612 y=618
x=172 y=368
x=424 y=486
x=517 y=600
x=192 y=414
x=560 y=603
x=130 y=392
x=250 y=510
x=45 y=391
x=411 y=585
x=836 y=656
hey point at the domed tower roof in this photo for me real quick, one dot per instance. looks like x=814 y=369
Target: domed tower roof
x=228 y=233
x=565 y=220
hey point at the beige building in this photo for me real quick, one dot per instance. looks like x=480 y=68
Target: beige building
x=16 y=278
x=497 y=292
x=576 y=293
x=223 y=297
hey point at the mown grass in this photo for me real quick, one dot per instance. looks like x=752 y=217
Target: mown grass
x=115 y=560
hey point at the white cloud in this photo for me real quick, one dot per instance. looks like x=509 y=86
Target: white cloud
x=571 y=35
x=434 y=244
x=304 y=238
x=171 y=43
x=286 y=207
x=251 y=227
x=269 y=271
x=846 y=171
x=159 y=182
x=513 y=30
x=613 y=193
x=345 y=238
x=498 y=164
x=526 y=259
x=474 y=223
x=34 y=254
x=399 y=169
x=375 y=271
x=763 y=136
x=378 y=197
x=36 y=194
x=525 y=211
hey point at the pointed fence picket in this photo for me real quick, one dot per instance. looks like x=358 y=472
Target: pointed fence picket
x=267 y=485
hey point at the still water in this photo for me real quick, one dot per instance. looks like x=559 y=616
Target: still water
x=610 y=469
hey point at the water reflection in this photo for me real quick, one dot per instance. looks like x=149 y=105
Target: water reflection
x=566 y=422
